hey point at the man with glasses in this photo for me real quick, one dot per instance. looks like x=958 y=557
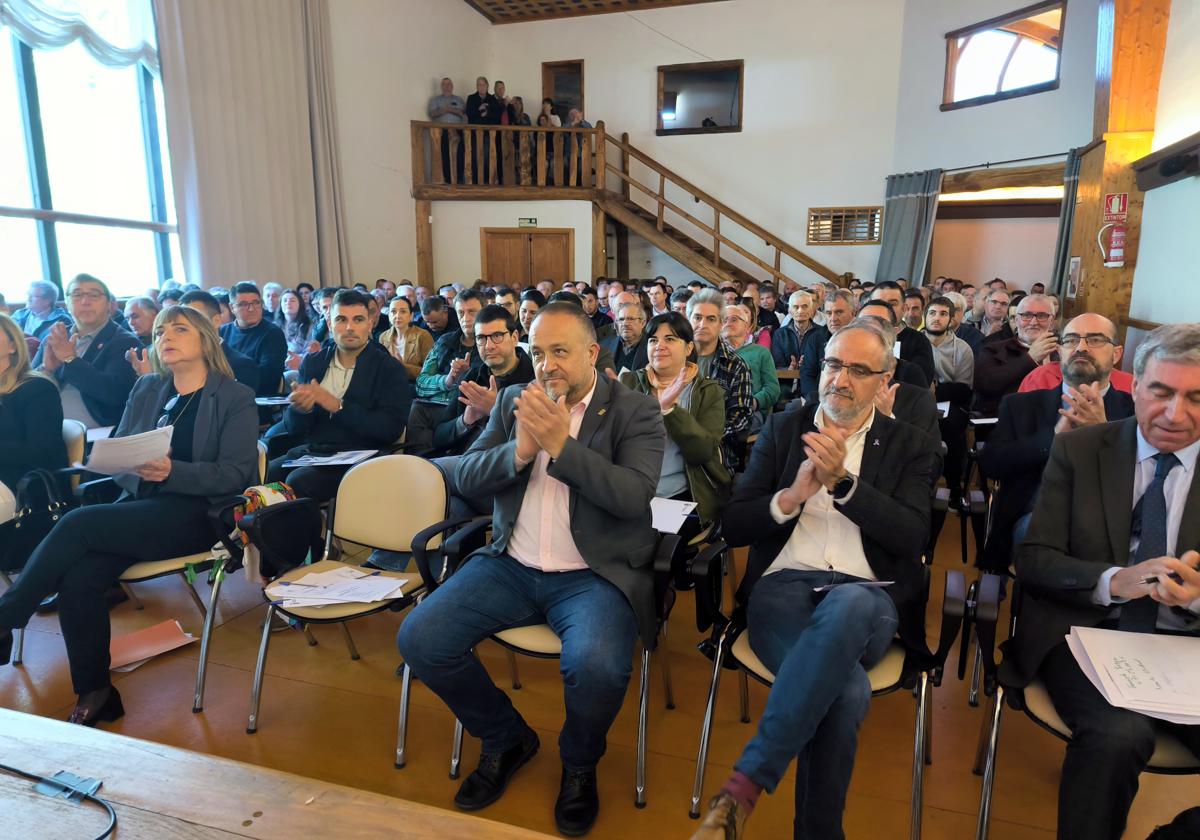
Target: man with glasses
x=253 y=335
x=993 y=318
x=447 y=363
x=1019 y=445
x=41 y=310
x=502 y=363
x=1002 y=364
x=628 y=346
x=834 y=493
x=88 y=360
x=717 y=360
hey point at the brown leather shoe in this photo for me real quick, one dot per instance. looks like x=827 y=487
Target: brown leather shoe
x=726 y=820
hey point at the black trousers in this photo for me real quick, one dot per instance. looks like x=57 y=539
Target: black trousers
x=320 y=483
x=82 y=557
x=1108 y=751
x=454 y=176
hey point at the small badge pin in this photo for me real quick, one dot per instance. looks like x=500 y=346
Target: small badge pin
x=876 y=442
x=600 y=413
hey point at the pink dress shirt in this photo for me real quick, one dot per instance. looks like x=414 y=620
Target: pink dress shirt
x=541 y=537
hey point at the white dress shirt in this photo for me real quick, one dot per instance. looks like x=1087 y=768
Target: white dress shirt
x=824 y=540
x=337 y=378
x=1175 y=489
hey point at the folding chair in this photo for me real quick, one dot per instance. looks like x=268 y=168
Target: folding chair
x=364 y=513
x=1170 y=756
x=538 y=641
x=903 y=666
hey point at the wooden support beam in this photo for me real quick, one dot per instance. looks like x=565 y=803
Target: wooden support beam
x=425 y=244
x=599 y=245
x=976 y=180
x=482 y=192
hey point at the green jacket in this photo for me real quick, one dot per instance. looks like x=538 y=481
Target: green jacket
x=762 y=374
x=697 y=432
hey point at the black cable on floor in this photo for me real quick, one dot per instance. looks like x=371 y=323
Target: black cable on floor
x=112 y=815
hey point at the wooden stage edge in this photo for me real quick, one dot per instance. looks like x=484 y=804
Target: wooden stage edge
x=165 y=792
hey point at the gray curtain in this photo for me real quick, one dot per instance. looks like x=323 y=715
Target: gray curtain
x=909 y=209
x=1066 y=220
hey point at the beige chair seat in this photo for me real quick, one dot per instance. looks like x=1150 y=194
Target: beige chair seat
x=537 y=638
x=158 y=568
x=1169 y=752
x=336 y=612
x=883 y=676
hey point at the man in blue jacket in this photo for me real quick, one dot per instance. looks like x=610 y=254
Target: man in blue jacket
x=253 y=335
x=351 y=395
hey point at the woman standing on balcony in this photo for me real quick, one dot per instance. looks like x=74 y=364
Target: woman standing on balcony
x=516 y=112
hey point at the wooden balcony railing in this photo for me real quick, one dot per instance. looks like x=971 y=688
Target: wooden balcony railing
x=494 y=156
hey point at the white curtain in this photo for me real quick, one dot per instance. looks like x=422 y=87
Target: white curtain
x=116 y=32
x=249 y=167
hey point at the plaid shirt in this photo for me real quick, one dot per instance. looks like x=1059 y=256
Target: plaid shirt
x=734 y=376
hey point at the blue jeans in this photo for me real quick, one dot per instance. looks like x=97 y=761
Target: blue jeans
x=819 y=645
x=489 y=594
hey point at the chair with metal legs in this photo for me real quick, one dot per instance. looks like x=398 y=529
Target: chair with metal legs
x=1170 y=756
x=903 y=666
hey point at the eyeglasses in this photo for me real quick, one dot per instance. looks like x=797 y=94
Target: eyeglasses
x=1040 y=317
x=1093 y=341
x=491 y=338
x=630 y=320
x=248 y=304
x=89 y=296
x=835 y=366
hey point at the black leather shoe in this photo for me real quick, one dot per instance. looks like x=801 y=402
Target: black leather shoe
x=96 y=706
x=578 y=802
x=6 y=643
x=490 y=779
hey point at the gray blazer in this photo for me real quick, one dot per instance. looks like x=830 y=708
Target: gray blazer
x=612 y=469
x=225 y=446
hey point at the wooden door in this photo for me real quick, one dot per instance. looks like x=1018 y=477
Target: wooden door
x=562 y=81
x=521 y=257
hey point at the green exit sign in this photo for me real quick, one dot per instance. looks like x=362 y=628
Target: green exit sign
x=530 y=222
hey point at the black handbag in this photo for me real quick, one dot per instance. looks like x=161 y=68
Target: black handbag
x=39 y=507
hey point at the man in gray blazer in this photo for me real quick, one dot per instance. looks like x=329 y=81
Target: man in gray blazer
x=573 y=461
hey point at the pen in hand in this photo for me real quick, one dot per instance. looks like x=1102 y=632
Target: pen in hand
x=1150 y=581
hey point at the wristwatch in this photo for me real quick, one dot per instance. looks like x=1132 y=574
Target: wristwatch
x=842 y=486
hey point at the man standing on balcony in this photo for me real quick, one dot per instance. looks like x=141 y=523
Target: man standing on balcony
x=449 y=109
x=482 y=109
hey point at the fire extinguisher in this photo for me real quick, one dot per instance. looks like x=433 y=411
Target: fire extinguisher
x=1114 y=254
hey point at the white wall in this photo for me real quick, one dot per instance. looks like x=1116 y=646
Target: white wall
x=976 y=250
x=1040 y=124
x=388 y=59
x=456 y=224
x=646 y=260
x=1165 y=285
x=819 y=110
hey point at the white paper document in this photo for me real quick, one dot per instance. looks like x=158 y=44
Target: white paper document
x=984 y=421
x=112 y=456
x=99 y=433
x=339 y=459
x=829 y=586
x=668 y=515
x=944 y=408
x=344 y=585
x=270 y=400
x=1154 y=674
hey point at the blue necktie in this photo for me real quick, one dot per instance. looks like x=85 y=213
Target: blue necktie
x=1150 y=523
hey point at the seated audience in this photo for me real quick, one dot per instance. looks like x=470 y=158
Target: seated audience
x=738 y=333
x=31 y=414
x=906 y=397
x=296 y=324
x=913 y=308
x=628 y=345
x=140 y=313
x=322 y=298
x=532 y=301
x=788 y=339
x=379 y=322
x=693 y=412
x=351 y=395
x=604 y=359
x=769 y=300
x=839 y=311
x=546 y=287
x=438 y=317
x=717 y=360
x=591 y=308
x=451 y=357
x=408 y=344
x=1117 y=509
x=1019 y=445
x=914 y=346
x=305 y=290
x=953 y=361
x=657 y=291
x=272 y=296
x=573 y=478
x=162 y=512
x=244 y=368
x=994 y=323
x=88 y=361
x=169 y=296
x=502 y=363
x=1002 y=364
x=41 y=310
x=763 y=321
x=251 y=334
x=1050 y=375
x=853 y=504
x=961 y=329
x=510 y=299
x=615 y=287
x=679 y=299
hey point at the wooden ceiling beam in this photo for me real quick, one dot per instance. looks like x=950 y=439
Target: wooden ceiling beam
x=523 y=11
x=975 y=180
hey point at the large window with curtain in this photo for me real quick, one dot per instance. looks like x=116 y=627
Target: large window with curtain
x=86 y=181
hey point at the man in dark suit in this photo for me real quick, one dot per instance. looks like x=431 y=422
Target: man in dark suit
x=1002 y=364
x=628 y=345
x=573 y=460
x=1119 y=506
x=834 y=494
x=88 y=361
x=351 y=394
x=914 y=346
x=1019 y=446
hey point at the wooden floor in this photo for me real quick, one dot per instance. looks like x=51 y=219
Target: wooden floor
x=334 y=719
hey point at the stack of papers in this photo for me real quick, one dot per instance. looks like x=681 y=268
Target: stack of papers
x=1156 y=675
x=338 y=459
x=271 y=401
x=112 y=456
x=668 y=515
x=345 y=585
x=944 y=408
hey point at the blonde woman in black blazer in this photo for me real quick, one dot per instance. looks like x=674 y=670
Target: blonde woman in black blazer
x=162 y=512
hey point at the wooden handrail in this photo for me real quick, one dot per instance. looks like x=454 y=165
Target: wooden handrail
x=724 y=210
x=448 y=156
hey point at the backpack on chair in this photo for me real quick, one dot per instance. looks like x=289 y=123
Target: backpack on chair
x=280 y=532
